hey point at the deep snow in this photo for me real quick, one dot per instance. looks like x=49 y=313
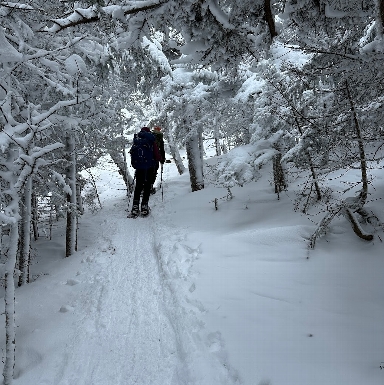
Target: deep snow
x=191 y=295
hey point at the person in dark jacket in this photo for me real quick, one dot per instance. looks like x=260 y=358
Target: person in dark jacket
x=145 y=170
x=159 y=138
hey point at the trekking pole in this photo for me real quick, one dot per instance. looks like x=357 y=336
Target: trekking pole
x=161 y=183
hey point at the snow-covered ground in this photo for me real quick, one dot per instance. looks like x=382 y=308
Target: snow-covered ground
x=198 y=296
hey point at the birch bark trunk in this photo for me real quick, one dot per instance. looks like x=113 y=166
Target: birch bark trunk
x=195 y=163
x=175 y=153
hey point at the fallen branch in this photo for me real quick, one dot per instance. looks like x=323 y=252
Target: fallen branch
x=358 y=230
x=347 y=208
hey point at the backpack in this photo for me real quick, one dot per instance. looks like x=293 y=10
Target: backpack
x=142 y=154
x=160 y=144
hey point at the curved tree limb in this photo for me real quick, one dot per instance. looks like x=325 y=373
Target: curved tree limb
x=357 y=229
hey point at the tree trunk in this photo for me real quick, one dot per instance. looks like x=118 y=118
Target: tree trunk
x=311 y=165
x=95 y=187
x=380 y=18
x=269 y=18
x=216 y=134
x=25 y=236
x=224 y=148
x=128 y=177
x=175 y=153
x=202 y=153
x=195 y=163
x=314 y=177
x=10 y=327
x=79 y=199
x=51 y=208
x=363 y=162
x=9 y=270
x=70 y=244
x=35 y=217
x=278 y=175
x=120 y=161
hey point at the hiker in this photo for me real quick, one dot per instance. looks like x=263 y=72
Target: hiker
x=159 y=138
x=144 y=156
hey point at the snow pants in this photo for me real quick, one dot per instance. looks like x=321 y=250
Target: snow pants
x=154 y=174
x=144 y=180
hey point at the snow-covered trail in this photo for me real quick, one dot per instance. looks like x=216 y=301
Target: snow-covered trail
x=125 y=312
x=122 y=334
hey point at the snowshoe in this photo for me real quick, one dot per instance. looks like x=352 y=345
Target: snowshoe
x=145 y=210
x=133 y=216
x=134 y=212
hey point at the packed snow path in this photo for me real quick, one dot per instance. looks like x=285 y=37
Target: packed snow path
x=124 y=332
x=130 y=322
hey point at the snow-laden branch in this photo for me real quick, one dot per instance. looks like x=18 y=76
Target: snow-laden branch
x=45 y=115
x=310 y=50
x=10 y=215
x=219 y=14
x=40 y=53
x=157 y=55
x=79 y=16
x=39 y=153
x=18 y=6
x=27 y=171
x=8 y=53
x=92 y=14
x=10 y=132
x=61 y=181
x=53 y=83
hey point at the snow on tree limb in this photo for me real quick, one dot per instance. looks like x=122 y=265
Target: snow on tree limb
x=92 y=14
x=45 y=115
x=61 y=181
x=75 y=65
x=157 y=55
x=18 y=6
x=219 y=14
x=79 y=16
x=8 y=53
x=33 y=162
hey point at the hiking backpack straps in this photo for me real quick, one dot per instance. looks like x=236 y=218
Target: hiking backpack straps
x=142 y=154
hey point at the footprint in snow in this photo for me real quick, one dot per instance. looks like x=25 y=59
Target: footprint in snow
x=66 y=309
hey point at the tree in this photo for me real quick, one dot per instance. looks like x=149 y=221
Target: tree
x=216 y=33
x=34 y=89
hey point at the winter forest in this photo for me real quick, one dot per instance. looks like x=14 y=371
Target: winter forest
x=295 y=85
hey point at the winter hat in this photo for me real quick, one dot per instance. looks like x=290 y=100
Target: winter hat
x=146 y=129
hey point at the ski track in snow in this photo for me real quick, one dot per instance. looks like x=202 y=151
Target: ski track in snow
x=133 y=322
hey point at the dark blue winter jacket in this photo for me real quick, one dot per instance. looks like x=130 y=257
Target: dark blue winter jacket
x=144 y=152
